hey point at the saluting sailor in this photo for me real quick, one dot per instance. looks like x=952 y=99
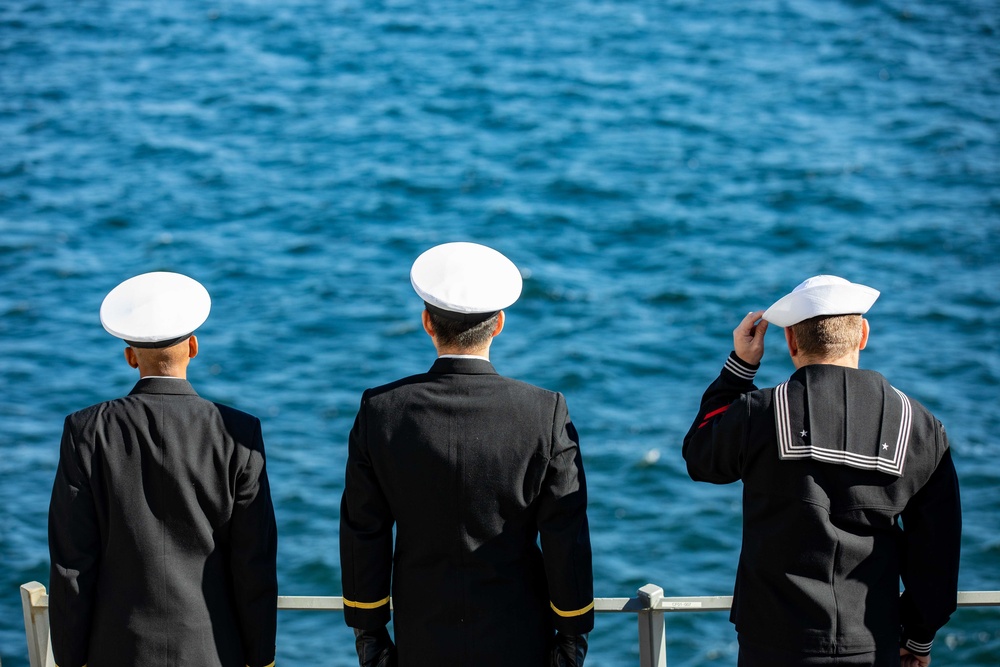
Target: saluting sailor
x=161 y=529
x=848 y=488
x=474 y=470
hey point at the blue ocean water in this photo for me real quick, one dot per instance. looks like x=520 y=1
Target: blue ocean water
x=656 y=170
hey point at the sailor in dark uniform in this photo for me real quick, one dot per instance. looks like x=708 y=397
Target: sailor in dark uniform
x=848 y=488
x=475 y=471
x=161 y=530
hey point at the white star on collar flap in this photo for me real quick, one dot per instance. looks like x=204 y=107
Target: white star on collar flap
x=465 y=279
x=155 y=309
x=821 y=295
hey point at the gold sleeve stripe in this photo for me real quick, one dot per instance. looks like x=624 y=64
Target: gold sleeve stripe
x=575 y=612
x=270 y=665
x=365 y=605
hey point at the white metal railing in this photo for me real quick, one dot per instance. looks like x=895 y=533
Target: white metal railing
x=649 y=605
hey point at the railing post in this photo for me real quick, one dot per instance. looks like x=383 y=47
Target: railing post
x=652 y=633
x=36 y=625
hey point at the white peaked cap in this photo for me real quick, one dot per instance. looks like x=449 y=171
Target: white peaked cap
x=465 y=278
x=821 y=295
x=155 y=309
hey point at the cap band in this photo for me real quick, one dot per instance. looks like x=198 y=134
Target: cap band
x=160 y=343
x=467 y=318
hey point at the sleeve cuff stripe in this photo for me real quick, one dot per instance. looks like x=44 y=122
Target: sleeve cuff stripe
x=918 y=647
x=575 y=612
x=739 y=370
x=271 y=664
x=365 y=605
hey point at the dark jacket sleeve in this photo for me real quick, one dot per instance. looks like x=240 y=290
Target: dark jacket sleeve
x=365 y=536
x=932 y=532
x=74 y=552
x=713 y=445
x=253 y=557
x=564 y=531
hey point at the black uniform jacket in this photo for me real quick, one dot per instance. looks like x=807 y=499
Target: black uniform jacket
x=848 y=486
x=472 y=468
x=162 y=535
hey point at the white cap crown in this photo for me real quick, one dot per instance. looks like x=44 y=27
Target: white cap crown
x=821 y=295
x=465 y=278
x=155 y=307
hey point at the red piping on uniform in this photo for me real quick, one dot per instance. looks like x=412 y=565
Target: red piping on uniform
x=713 y=413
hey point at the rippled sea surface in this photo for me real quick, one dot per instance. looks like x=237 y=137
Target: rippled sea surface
x=656 y=170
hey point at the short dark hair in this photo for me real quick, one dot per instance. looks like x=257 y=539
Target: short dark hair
x=463 y=335
x=828 y=335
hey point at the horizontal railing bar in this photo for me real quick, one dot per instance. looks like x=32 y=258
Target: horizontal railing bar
x=331 y=603
x=601 y=605
x=310 y=602
x=700 y=603
x=616 y=604
x=978 y=598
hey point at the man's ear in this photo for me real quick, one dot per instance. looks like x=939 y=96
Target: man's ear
x=192 y=347
x=793 y=345
x=130 y=357
x=501 y=318
x=425 y=317
x=865 y=330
